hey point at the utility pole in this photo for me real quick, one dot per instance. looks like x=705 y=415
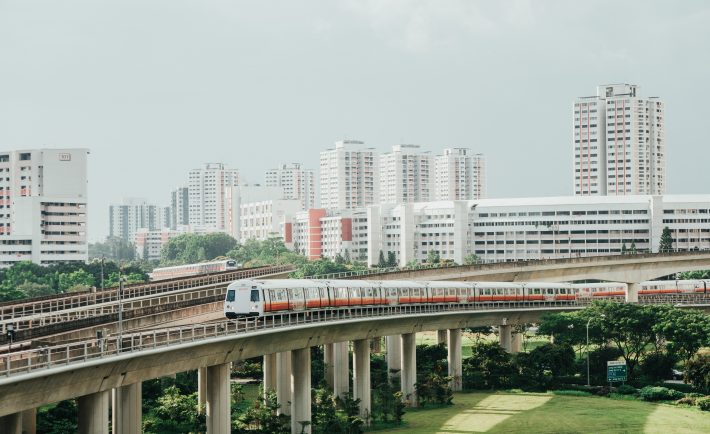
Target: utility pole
x=120 y=310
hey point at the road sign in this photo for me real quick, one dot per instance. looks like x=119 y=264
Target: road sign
x=615 y=371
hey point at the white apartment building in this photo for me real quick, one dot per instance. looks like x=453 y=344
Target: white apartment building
x=149 y=243
x=460 y=175
x=135 y=213
x=207 y=196
x=179 y=207
x=242 y=196
x=297 y=183
x=619 y=143
x=318 y=233
x=348 y=176
x=265 y=219
x=406 y=175
x=499 y=230
x=43 y=206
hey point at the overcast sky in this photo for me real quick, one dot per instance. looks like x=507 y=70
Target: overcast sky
x=155 y=88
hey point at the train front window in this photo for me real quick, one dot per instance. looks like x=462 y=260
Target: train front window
x=254 y=295
x=230 y=295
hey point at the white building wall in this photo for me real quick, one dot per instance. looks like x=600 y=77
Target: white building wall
x=265 y=219
x=460 y=175
x=406 y=175
x=207 y=187
x=348 y=176
x=43 y=206
x=297 y=183
x=619 y=143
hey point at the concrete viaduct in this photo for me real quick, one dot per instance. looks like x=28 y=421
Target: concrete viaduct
x=98 y=372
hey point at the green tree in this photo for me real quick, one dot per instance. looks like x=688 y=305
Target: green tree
x=381 y=262
x=318 y=268
x=630 y=327
x=391 y=259
x=666 y=241
x=632 y=248
x=113 y=248
x=78 y=280
x=697 y=372
x=175 y=413
x=488 y=367
x=433 y=257
x=685 y=330
x=59 y=419
x=471 y=259
x=192 y=248
x=623 y=249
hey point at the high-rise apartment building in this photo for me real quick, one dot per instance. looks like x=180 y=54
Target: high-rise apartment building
x=348 y=175
x=406 y=175
x=297 y=183
x=136 y=213
x=43 y=206
x=207 y=195
x=460 y=175
x=619 y=143
x=179 y=207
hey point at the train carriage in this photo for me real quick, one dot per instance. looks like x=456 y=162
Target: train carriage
x=450 y=292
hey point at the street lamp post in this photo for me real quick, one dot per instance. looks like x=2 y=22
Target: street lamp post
x=588 y=322
x=120 y=311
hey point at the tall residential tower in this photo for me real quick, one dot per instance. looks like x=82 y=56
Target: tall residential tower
x=460 y=175
x=297 y=183
x=406 y=175
x=208 y=196
x=348 y=174
x=619 y=143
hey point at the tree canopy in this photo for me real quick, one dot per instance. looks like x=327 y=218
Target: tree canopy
x=193 y=248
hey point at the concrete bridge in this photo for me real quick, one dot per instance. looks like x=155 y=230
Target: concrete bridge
x=614 y=268
x=110 y=371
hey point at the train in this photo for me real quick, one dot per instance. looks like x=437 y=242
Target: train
x=193 y=269
x=252 y=297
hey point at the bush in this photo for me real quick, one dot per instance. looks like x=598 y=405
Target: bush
x=697 y=372
x=571 y=393
x=656 y=393
x=703 y=403
x=688 y=400
x=657 y=366
x=626 y=389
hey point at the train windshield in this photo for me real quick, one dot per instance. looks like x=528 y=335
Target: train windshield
x=231 y=263
x=254 y=295
x=230 y=295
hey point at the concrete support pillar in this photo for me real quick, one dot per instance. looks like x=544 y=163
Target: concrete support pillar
x=12 y=424
x=516 y=343
x=409 y=368
x=29 y=421
x=283 y=382
x=201 y=389
x=441 y=337
x=632 y=292
x=341 y=365
x=394 y=356
x=455 y=359
x=361 y=377
x=328 y=365
x=270 y=372
x=126 y=407
x=301 y=390
x=504 y=337
x=218 y=399
x=93 y=413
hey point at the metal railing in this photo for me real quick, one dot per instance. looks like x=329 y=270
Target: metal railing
x=27 y=361
x=371 y=271
x=73 y=301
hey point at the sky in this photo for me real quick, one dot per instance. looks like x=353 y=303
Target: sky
x=157 y=87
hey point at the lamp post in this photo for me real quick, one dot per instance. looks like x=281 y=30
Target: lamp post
x=120 y=311
x=588 y=322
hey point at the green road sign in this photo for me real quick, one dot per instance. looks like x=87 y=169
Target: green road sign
x=616 y=371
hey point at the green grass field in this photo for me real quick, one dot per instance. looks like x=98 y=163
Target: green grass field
x=547 y=413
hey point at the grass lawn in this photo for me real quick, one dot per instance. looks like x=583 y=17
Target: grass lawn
x=547 y=413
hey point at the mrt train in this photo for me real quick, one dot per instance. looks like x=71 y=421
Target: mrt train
x=252 y=297
x=193 y=269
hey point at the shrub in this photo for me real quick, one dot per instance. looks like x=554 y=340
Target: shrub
x=571 y=393
x=697 y=372
x=657 y=366
x=703 y=403
x=688 y=400
x=626 y=389
x=657 y=393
